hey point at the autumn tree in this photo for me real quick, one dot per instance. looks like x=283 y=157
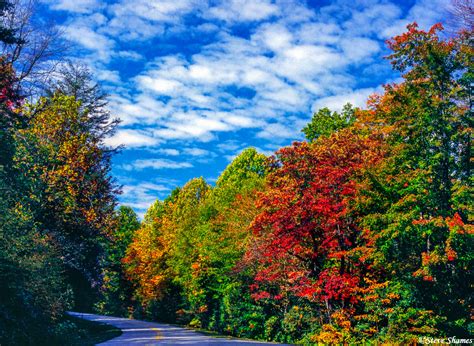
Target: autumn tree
x=420 y=200
x=76 y=80
x=185 y=252
x=181 y=233
x=56 y=197
x=116 y=291
x=145 y=263
x=361 y=234
x=221 y=237
x=33 y=293
x=75 y=193
x=307 y=229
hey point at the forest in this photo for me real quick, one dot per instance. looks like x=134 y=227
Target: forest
x=363 y=232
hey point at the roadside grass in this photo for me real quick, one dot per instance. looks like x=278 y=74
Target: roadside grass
x=79 y=332
x=218 y=335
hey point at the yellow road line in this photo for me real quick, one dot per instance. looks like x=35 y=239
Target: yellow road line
x=158 y=334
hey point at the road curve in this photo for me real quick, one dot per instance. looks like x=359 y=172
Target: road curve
x=135 y=332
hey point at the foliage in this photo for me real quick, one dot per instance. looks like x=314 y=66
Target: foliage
x=221 y=236
x=74 y=191
x=306 y=226
x=325 y=122
x=425 y=183
x=7 y=35
x=56 y=206
x=116 y=289
x=190 y=243
x=146 y=266
x=31 y=284
x=77 y=81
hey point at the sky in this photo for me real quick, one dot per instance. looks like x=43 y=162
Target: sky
x=195 y=82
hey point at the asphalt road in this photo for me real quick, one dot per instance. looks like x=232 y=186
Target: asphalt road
x=135 y=332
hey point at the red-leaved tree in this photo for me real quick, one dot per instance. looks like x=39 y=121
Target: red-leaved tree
x=307 y=229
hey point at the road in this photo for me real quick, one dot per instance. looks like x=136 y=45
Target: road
x=135 y=332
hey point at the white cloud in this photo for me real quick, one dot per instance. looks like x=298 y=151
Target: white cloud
x=197 y=152
x=277 y=131
x=90 y=39
x=359 y=49
x=131 y=138
x=154 y=10
x=240 y=121
x=142 y=195
x=142 y=109
x=133 y=189
x=146 y=19
x=234 y=82
x=287 y=95
x=167 y=152
x=210 y=78
x=191 y=125
x=230 y=145
x=109 y=76
x=309 y=61
x=429 y=12
x=129 y=55
x=159 y=85
x=319 y=33
x=274 y=36
x=425 y=12
x=139 y=165
x=357 y=98
x=371 y=19
x=77 y=6
x=243 y=10
x=137 y=29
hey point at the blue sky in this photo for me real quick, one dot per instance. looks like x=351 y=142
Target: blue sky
x=196 y=81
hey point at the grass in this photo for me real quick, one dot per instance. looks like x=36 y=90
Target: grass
x=91 y=333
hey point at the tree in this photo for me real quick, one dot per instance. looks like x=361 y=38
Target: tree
x=306 y=226
x=33 y=293
x=35 y=49
x=462 y=13
x=76 y=80
x=221 y=237
x=184 y=255
x=10 y=120
x=7 y=34
x=421 y=196
x=117 y=290
x=154 y=292
x=56 y=196
x=181 y=233
x=325 y=122
x=74 y=191
x=363 y=233
x=34 y=296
